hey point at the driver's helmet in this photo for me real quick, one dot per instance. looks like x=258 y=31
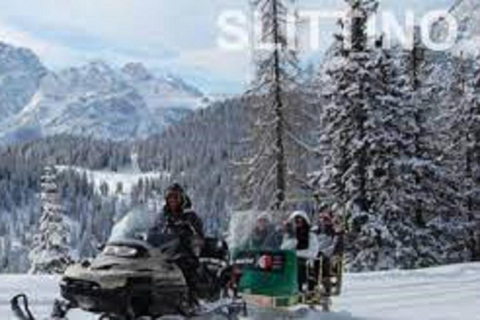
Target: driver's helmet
x=178 y=189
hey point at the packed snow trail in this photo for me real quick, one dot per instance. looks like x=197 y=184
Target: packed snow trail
x=444 y=293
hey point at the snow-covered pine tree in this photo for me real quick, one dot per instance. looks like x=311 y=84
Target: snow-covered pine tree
x=351 y=95
x=401 y=176
x=265 y=173
x=343 y=141
x=434 y=199
x=415 y=60
x=465 y=134
x=50 y=252
x=463 y=154
x=369 y=146
x=383 y=240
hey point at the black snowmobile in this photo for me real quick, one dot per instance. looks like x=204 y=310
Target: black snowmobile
x=138 y=275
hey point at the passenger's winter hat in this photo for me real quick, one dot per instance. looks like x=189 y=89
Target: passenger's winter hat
x=326 y=217
x=263 y=216
x=300 y=214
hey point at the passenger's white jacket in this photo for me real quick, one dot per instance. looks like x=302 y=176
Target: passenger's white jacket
x=291 y=243
x=326 y=244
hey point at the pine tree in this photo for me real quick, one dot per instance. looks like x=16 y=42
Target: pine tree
x=346 y=135
x=374 y=156
x=463 y=154
x=268 y=169
x=465 y=131
x=435 y=198
x=343 y=140
x=50 y=252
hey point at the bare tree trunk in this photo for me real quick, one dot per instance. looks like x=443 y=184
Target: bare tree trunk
x=419 y=218
x=280 y=148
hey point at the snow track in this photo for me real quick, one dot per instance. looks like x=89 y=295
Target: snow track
x=445 y=293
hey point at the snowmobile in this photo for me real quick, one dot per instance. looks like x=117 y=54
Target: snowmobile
x=138 y=276
x=268 y=275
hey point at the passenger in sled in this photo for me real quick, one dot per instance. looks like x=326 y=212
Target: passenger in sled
x=329 y=233
x=266 y=273
x=265 y=234
x=298 y=236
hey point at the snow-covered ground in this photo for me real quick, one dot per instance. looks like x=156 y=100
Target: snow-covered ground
x=127 y=178
x=446 y=293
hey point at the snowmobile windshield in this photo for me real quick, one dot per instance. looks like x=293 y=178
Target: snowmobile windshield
x=253 y=230
x=135 y=225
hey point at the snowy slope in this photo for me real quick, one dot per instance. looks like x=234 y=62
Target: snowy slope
x=445 y=293
x=128 y=179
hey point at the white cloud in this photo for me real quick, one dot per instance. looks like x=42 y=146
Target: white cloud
x=180 y=24
x=180 y=34
x=229 y=65
x=62 y=54
x=19 y=38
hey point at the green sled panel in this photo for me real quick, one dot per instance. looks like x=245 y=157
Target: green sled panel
x=280 y=280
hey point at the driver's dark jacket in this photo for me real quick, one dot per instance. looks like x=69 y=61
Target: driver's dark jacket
x=186 y=223
x=187 y=226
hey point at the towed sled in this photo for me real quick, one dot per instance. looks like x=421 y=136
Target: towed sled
x=268 y=275
x=139 y=275
x=269 y=279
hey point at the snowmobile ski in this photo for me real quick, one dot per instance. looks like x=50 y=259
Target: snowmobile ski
x=229 y=309
x=20 y=307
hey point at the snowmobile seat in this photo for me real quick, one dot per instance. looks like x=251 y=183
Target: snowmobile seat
x=214 y=248
x=214 y=254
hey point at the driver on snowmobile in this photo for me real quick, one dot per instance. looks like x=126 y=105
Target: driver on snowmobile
x=177 y=217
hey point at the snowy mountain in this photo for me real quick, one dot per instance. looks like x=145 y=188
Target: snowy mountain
x=20 y=75
x=467 y=13
x=94 y=100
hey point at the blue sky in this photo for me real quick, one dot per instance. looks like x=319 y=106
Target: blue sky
x=177 y=36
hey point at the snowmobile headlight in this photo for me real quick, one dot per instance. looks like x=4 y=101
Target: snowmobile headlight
x=120 y=251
